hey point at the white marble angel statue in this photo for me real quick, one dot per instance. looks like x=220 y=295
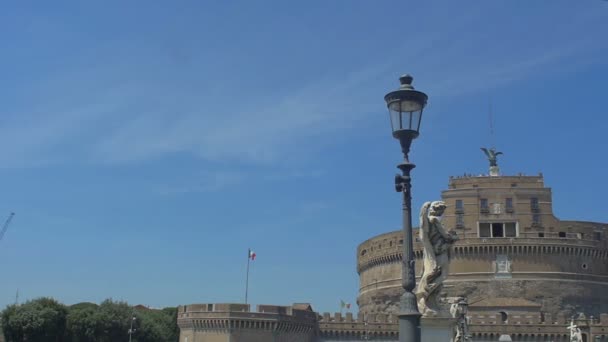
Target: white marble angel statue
x=436 y=242
x=575 y=333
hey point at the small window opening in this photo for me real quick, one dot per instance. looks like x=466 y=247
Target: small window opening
x=510 y=229
x=459 y=205
x=534 y=203
x=497 y=230
x=562 y=234
x=484 y=230
x=460 y=220
x=541 y=234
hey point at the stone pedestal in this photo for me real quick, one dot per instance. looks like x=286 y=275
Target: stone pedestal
x=437 y=329
x=494 y=171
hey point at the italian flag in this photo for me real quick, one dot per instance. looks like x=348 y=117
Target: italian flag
x=343 y=305
x=251 y=255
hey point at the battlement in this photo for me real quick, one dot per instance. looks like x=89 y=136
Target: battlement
x=361 y=317
x=486 y=181
x=200 y=322
x=362 y=326
x=297 y=311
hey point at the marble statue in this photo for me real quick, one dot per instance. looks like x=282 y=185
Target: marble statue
x=575 y=333
x=458 y=310
x=436 y=242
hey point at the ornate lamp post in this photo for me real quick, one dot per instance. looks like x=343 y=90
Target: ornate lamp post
x=405 y=107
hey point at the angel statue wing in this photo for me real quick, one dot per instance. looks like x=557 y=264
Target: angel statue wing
x=424 y=219
x=485 y=150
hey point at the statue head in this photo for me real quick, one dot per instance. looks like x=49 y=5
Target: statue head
x=437 y=208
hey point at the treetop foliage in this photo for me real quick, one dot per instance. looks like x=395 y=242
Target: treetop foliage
x=46 y=320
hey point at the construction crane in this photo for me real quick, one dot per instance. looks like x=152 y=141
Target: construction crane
x=6 y=224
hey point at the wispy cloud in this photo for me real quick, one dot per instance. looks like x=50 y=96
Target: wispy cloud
x=260 y=129
x=125 y=110
x=218 y=180
x=207 y=182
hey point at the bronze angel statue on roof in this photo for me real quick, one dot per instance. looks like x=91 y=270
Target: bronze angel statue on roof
x=491 y=154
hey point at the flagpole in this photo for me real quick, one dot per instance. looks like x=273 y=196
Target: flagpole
x=247 y=278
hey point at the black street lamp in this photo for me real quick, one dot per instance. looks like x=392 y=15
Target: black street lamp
x=405 y=107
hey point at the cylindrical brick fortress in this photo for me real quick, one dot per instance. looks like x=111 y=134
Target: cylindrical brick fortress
x=511 y=246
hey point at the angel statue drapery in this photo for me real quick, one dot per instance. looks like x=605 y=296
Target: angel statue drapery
x=436 y=242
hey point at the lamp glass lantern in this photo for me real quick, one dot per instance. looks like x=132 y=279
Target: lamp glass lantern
x=405 y=107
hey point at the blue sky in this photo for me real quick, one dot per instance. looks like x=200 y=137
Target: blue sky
x=144 y=146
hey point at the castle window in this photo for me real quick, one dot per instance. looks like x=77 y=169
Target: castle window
x=459 y=220
x=541 y=234
x=483 y=205
x=497 y=229
x=534 y=204
x=484 y=230
x=510 y=229
x=459 y=206
x=536 y=219
x=597 y=236
x=509 y=204
x=562 y=234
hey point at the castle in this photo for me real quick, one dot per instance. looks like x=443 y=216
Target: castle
x=525 y=273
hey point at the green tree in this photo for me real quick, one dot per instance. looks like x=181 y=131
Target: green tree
x=46 y=320
x=81 y=322
x=39 y=320
x=10 y=332
x=157 y=326
x=113 y=321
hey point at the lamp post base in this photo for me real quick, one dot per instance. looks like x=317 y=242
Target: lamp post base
x=438 y=328
x=409 y=319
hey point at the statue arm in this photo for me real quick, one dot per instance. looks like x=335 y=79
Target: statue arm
x=435 y=221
